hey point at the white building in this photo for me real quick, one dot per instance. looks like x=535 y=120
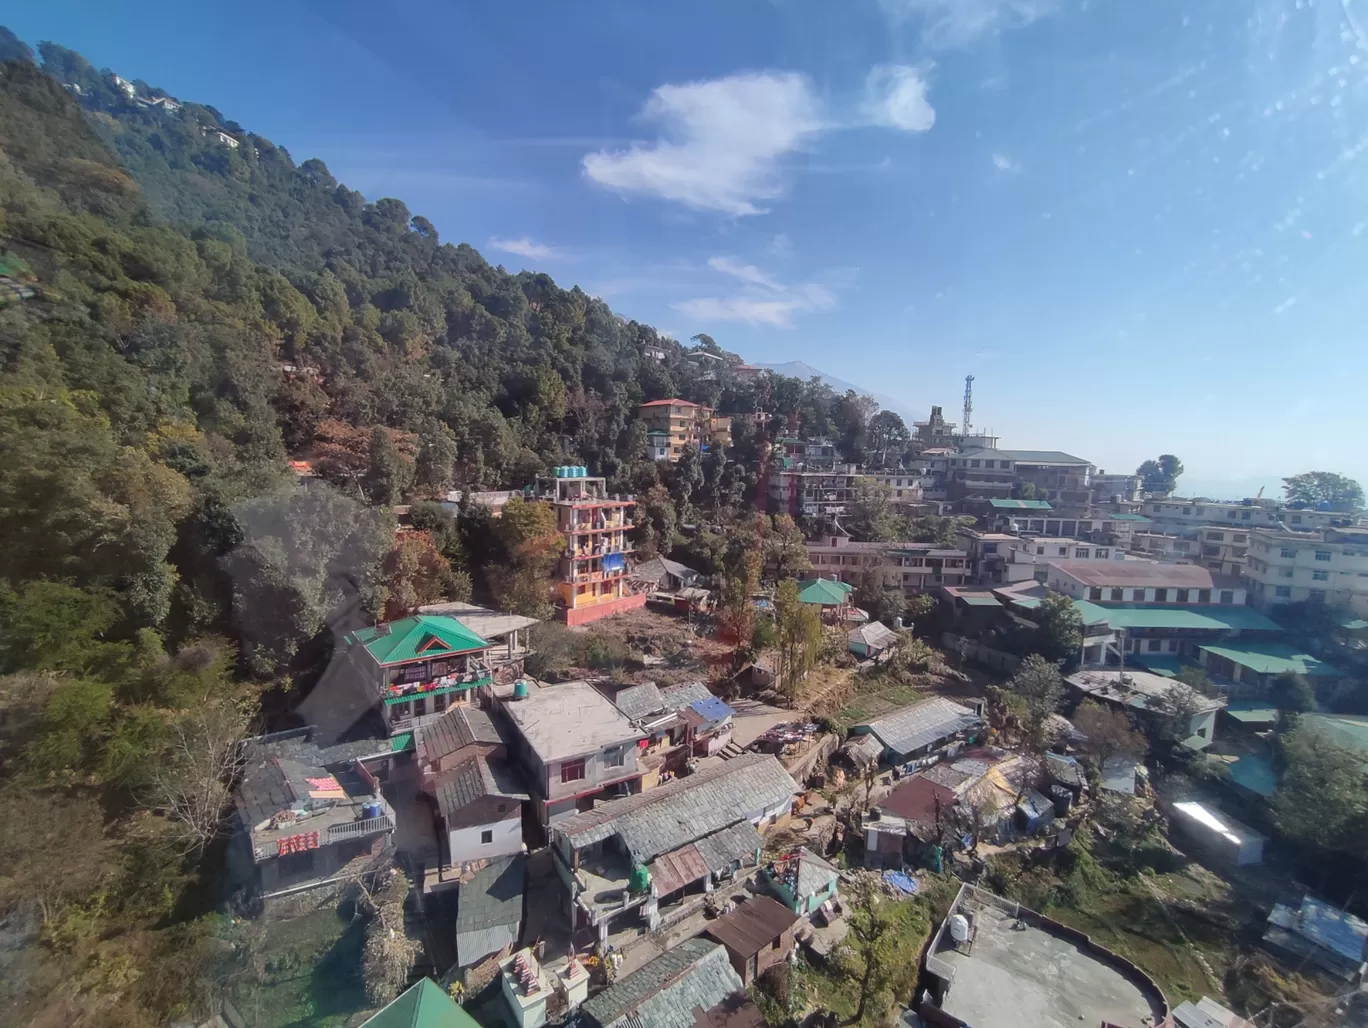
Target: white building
x=1138 y=581
x=1329 y=566
x=125 y=87
x=1156 y=695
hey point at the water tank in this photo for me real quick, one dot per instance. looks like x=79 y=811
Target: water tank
x=959 y=928
x=581 y=472
x=520 y=689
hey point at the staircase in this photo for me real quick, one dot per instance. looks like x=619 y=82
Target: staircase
x=730 y=750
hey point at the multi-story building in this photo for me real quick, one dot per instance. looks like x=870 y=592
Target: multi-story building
x=415 y=668
x=683 y=424
x=935 y=432
x=1140 y=581
x=911 y=567
x=812 y=493
x=1174 y=547
x=1054 y=475
x=572 y=744
x=905 y=487
x=1328 y=566
x=1117 y=488
x=592 y=572
x=1035 y=517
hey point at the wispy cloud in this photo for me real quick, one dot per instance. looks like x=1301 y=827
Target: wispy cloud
x=745 y=272
x=720 y=142
x=777 y=311
x=895 y=97
x=953 y=23
x=1005 y=164
x=529 y=248
x=765 y=300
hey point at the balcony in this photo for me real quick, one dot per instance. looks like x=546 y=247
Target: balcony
x=401 y=692
x=359 y=829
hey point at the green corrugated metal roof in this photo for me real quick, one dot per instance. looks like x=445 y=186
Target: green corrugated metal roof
x=1042 y=457
x=423 y=1005
x=1166 y=664
x=1020 y=504
x=981 y=601
x=1126 y=517
x=423 y=635
x=1354 y=625
x=1273 y=658
x=1345 y=730
x=826 y=593
x=1250 y=712
x=1255 y=773
x=402 y=741
x=1243 y=619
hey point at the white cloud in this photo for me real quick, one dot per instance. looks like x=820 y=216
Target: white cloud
x=777 y=311
x=745 y=272
x=720 y=142
x=895 y=97
x=952 y=23
x=529 y=248
x=1004 y=163
x=781 y=245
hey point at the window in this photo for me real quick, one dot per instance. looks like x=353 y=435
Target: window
x=1316 y=596
x=1187 y=510
x=1320 y=576
x=1289 y=554
x=419 y=707
x=1244 y=515
x=1230 y=514
x=990 y=547
x=775 y=943
x=1081 y=552
x=974 y=463
x=572 y=770
x=1240 y=537
x=1040 y=551
x=1227 y=596
x=502 y=808
x=1104 y=554
x=1285 y=572
x=615 y=758
x=1215 y=537
x=1204 y=595
x=1117 y=595
x=1154 y=645
x=1201 y=511
x=1296 y=519
x=1138 y=595
x=1283 y=592
x=1094 y=594
x=1323 y=555
x=1161 y=596
x=1063 y=551
x=486 y=837
x=1182 y=596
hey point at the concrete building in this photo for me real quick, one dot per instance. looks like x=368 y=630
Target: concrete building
x=573 y=746
x=623 y=861
x=911 y=567
x=1134 y=581
x=684 y=424
x=1054 y=475
x=592 y=572
x=1151 y=695
x=1328 y=566
x=936 y=433
x=1319 y=933
x=1116 y=489
x=904 y=487
x=1249 y=667
x=415 y=668
x=993 y=979
x=814 y=494
x=479 y=806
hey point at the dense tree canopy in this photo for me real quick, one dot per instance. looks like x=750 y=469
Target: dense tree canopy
x=1323 y=489
x=1160 y=476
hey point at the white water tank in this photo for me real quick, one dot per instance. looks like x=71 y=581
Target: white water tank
x=959 y=928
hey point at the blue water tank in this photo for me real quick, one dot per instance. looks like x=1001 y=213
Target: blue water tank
x=583 y=472
x=520 y=690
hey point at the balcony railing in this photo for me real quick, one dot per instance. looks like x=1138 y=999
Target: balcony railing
x=401 y=692
x=357 y=829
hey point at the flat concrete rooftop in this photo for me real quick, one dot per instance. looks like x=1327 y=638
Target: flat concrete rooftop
x=1010 y=979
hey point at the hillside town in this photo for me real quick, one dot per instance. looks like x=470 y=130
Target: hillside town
x=942 y=766
x=390 y=638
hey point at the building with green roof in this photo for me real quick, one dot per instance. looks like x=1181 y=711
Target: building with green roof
x=417 y=667
x=423 y=1005
x=826 y=593
x=1255 y=664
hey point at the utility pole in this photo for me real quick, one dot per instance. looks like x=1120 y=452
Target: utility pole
x=968 y=403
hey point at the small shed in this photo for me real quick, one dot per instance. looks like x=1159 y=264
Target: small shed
x=757 y=935
x=1217 y=835
x=802 y=880
x=872 y=640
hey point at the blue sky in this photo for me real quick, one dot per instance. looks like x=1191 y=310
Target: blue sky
x=1141 y=226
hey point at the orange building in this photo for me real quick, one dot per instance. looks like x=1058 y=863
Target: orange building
x=676 y=424
x=593 y=567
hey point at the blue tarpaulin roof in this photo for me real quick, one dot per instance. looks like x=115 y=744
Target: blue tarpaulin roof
x=712 y=708
x=1255 y=773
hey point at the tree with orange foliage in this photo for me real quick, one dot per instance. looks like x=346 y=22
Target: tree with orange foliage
x=418 y=574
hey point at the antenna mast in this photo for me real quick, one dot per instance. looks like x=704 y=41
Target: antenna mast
x=968 y=403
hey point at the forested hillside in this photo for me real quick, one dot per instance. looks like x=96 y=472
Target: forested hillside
x=201 y=314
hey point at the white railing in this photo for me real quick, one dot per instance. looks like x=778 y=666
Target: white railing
x=370 y=826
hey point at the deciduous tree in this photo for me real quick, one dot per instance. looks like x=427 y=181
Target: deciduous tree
x=1314 y=488
x=799 y=639
x=1109 y=733
x=1059 y=627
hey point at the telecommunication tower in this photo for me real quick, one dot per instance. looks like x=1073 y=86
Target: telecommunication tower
x=968 y=403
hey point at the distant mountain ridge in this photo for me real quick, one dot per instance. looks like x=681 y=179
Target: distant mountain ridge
x=803 y=372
